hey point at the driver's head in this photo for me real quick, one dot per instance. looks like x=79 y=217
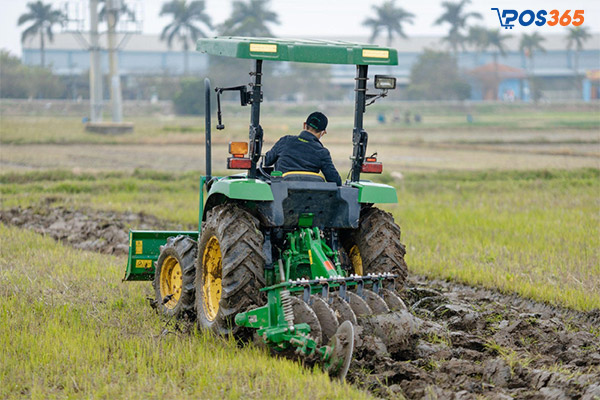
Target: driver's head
x=316 y=123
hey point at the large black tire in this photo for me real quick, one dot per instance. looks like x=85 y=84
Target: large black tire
x=235 y=234
x=377 y=240
x=175 y=292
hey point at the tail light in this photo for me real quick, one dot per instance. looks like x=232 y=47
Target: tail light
x=238 y=150
x=238 y=163
x=371 y=166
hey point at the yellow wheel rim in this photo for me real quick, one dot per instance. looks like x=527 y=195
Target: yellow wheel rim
x=356 y=260
x=170 y=281
x=212 y=271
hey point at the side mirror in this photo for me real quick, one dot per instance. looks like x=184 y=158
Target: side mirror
x=384 y=82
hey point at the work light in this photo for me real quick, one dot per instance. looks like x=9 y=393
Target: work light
x=385 y=82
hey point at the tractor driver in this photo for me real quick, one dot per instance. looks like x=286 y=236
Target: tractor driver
x=305 y=152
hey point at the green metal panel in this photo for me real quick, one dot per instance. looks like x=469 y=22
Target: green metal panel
x=144 y=249
x=299 y=50
x=369 y=192
x=243 y=189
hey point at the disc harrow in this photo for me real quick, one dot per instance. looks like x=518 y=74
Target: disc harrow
x=316 y=318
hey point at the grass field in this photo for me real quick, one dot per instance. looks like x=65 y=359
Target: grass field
x=499 y=138
x=534 y=233
x=71 y=329
x=510 y=202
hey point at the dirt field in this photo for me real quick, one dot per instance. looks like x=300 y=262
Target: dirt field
x=398 y=157
x=454 y=342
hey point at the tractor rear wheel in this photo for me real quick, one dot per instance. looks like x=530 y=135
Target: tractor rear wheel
x=174 y=277
x=375 y=246
x=229 y=269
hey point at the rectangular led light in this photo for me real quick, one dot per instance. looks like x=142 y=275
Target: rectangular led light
x=263 y=48
x=372 y=168
x=238 y=163
x=385 y=82
x=370 y=53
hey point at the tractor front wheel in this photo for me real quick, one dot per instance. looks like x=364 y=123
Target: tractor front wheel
x=229 y=269
x=174 y=277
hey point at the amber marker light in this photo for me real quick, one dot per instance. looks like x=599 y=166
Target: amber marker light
x=238 y=149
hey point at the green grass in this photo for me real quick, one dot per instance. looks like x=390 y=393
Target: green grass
x=534 y=233
x=170 y=197
x=71 y=329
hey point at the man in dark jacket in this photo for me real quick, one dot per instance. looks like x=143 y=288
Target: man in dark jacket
x=305 y=152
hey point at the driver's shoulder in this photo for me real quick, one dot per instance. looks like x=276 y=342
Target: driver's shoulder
x=287 y=139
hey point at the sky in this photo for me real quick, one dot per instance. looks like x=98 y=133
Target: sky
x=328 y=18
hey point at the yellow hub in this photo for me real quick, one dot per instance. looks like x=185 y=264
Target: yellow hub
x=212 y=272
x=171 y=281
x=356 y=260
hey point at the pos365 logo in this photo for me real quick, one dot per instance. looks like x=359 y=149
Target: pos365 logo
x=508 y=18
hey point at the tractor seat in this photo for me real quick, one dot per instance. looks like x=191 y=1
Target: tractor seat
x=303 y=176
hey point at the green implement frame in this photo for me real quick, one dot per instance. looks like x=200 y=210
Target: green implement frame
x=144 y=249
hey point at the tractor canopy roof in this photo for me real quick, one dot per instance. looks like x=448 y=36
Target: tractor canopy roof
x=299 y=50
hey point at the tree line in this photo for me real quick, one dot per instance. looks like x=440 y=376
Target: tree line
x=189 y=21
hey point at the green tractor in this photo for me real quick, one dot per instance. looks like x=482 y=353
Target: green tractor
x=288 y=259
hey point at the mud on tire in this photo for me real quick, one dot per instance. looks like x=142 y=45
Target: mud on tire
x=236 y=234
x=378 y=242
x=179 y=250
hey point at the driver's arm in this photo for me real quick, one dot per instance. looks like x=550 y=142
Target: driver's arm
x=331 y=174
x=273 y=154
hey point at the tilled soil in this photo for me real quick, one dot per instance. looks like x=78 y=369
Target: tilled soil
x=452 y=342
x=94 y=230
x=459 y=342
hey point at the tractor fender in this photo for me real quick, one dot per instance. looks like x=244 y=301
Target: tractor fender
x=239 y=190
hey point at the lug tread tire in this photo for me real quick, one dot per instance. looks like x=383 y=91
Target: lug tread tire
x=184 y=249
x=243 y=262
x=378 y=240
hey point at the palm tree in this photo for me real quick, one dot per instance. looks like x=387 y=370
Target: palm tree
x=496 y=40
x=529 y=45
x=184 y=25
x=249 y=19
x=43 y=18
x=389 y=18
x=455 y=15
x=577 y=36
x=478 y=38
x=123 y=10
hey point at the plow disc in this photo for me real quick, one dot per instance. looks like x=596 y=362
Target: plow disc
x=342 y=344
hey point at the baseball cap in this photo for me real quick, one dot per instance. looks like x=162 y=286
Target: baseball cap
x=317 y=120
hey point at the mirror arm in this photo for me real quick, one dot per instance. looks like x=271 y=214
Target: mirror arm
x=244 y=100
x=374 y=97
